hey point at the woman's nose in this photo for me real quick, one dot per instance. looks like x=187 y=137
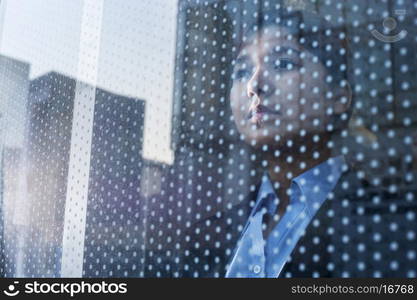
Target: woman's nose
x=258 y=85
x=255 y=92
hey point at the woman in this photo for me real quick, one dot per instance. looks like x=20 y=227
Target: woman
x=289 y=97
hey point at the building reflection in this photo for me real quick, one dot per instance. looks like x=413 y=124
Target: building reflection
x=35 y=175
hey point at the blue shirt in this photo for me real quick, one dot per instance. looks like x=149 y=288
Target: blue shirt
x=255 y=257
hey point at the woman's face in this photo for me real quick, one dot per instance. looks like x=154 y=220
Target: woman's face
x=278 y=92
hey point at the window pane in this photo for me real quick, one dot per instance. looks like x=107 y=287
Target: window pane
x=208 y=138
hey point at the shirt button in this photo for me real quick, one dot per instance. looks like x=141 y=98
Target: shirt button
x=256 y=269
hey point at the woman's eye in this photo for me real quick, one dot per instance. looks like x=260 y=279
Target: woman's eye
x=284 y=64
x=241 y=74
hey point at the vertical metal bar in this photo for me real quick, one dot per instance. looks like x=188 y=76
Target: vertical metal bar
x=81 y=137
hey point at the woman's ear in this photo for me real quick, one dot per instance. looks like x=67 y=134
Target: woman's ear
x=342 y=98
x=340 y=101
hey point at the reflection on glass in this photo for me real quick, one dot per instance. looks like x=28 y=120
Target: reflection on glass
x=210 y=138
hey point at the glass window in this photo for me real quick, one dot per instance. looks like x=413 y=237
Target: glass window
x=208 y=138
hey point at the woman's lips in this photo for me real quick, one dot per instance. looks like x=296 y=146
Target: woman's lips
x=256 y=115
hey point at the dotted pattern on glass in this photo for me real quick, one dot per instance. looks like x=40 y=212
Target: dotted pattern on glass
x=208 y=138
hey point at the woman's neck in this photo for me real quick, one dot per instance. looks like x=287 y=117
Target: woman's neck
x=286 y=163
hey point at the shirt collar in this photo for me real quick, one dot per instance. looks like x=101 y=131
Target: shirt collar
x=312 y=186
x=266 y=196
x=316 y=183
